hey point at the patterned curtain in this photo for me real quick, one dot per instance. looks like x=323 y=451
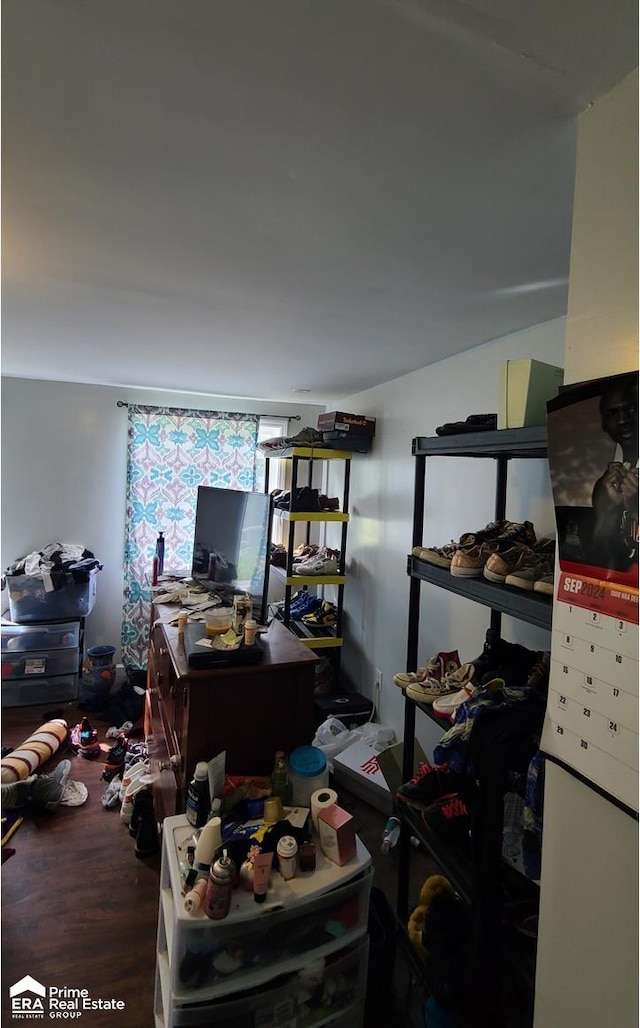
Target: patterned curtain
x=170 y=453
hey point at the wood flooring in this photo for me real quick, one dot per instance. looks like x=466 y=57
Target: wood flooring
x=79 y=909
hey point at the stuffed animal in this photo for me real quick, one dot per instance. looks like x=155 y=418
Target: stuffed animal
x=434 y=886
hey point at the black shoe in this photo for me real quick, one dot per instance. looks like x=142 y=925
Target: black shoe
x=147 y=837
x=142 y=801
x=501 y=659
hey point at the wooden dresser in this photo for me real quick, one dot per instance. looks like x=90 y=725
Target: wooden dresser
x=249 y=712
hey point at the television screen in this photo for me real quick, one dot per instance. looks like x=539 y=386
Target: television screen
x=231 y=545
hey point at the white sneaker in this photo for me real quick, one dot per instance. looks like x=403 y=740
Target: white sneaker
x=446 y=706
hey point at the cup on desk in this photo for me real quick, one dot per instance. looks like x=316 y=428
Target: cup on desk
x=250 y=631
x=217 y=622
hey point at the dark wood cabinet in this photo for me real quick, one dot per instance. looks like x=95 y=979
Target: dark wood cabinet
x=249 y=712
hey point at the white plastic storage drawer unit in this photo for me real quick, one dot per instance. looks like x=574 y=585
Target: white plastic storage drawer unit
x=214 y=972
x=40 y=663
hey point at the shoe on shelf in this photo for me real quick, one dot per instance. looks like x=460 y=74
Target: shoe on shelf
x=469 y=563
x=429 y=690
x=314 y=604
x=427 y=785
x=324 y=617
x=450 y=819
x=446 y=706
x=328 y=502
x=499 y=565
x=437 y=667
x=318 y=566
x=539 y=566
x=441 y=556
x=545 y=584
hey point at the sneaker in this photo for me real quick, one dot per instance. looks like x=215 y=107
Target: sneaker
x=435 y=668
x=431 y=689
x=147 y=835
x=42 y=792
x=491 y=531
x=126 y=810
x=499 y=565
x=325 y=617
x=470 y=562
x=88 y=745
x=314 y=604
x=441 y=556
x=450 y=819
x=446 y=706
x=427 y=785
x=319 y=566
x=502 y=659
x=539 y=566
x=545 y=584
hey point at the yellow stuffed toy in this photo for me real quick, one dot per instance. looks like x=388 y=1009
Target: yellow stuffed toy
x=435 y=885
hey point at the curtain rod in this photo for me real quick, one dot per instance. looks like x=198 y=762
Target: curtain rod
x=286 y=417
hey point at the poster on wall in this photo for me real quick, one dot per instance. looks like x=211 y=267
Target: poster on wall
x=591 y=723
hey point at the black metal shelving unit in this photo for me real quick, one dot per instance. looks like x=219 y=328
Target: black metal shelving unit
x=533 y=608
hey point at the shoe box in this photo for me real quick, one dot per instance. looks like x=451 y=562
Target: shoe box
x=524 y=387
x=373 y=777
x=353 y=424
x=350 y=708
x=347 y=441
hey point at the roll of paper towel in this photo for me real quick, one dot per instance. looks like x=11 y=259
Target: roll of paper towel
x=320 y=799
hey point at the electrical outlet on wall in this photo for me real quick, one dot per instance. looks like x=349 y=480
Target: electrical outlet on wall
x=377 y=689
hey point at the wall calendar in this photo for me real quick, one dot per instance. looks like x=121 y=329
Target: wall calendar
x=591 y=724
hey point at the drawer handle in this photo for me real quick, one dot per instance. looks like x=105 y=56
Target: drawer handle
x=162 y=651
x=153 y=691
x=173 y=763
x=159 y=677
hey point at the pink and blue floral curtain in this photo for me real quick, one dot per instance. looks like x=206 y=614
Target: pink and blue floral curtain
x=170 y=453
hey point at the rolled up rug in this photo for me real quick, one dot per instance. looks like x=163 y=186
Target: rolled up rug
x=33 y=752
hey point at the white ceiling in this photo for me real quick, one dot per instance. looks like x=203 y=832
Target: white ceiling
x=254 y=197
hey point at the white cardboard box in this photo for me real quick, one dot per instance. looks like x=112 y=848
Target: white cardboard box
x=359 y=769
x=525 y=386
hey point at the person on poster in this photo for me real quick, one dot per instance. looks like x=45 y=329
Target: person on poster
x=615 y=494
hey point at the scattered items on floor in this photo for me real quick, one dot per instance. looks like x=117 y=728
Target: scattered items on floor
x=11 y=821
x=34 y=751
x=41 y=792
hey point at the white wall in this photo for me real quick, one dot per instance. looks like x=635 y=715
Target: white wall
x=460 y=497
x=587 y=972
x=64 y=456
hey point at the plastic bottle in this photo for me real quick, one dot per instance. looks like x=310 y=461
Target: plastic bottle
x=279 y=776
x=160 y=552
x=390 y=834
x=198 y=799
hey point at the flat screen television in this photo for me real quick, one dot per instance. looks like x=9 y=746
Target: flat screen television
x=231 y=545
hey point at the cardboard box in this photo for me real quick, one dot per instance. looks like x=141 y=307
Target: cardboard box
x=338 y=421
x=347 y=441
x=373 y=777
x=337 y=834
x=525 y=386
x=390 y=761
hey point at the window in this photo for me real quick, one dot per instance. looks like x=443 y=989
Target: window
x=171 y=451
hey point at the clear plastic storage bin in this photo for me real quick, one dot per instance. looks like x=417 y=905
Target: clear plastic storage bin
x=30 y=601
x=27 y=692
